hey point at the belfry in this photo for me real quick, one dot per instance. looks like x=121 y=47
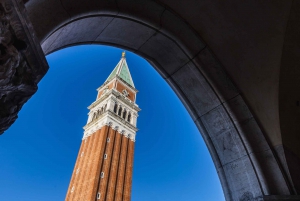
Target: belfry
x=103 y=169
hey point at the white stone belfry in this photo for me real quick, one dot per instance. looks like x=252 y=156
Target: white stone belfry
x=115 y=104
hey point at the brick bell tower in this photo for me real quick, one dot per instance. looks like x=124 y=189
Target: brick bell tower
x=103 y=169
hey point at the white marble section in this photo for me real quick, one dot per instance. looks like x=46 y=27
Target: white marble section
x=112 y=122
x=104 y=111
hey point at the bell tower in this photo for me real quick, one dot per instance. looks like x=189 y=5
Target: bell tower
x=103 y=169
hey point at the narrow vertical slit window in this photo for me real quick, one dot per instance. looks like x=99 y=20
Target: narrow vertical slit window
x=98 y=196
x=129 y=118
x=108 y=139
x=105 y=156
x=102 y=174
x=124 y=114
x=120 y=111
x=115 y=108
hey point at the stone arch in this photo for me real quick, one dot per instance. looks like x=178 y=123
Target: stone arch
x=129 y=117
x=120 y=111
x=94 y=116
x=246 y=163
x=124 y=113
x=115 y=108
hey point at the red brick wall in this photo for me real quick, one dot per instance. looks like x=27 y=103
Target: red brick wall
x=110 y=86
x=121 y=171
x=120 y=87
x=114 y=169
x=117 y=168
x=129 y=169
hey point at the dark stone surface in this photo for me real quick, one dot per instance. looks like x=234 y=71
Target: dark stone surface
x=134 y=36
x=216 y=75
x=293 y=162
x=195 y=87
x=281 y=197
x=289 y=94
x=22 y=62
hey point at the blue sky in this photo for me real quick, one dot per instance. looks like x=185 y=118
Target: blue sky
x=38 y=153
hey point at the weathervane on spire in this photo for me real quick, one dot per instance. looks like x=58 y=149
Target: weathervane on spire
x=123 y=54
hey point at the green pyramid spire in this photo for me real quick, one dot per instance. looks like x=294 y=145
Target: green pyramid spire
x=122 y=71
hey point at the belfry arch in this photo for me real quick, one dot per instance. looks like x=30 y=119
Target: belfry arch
x=250 y=161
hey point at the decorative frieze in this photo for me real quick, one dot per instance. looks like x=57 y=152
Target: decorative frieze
x=108 y=120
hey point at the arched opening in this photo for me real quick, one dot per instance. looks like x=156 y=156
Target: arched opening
x=120 y=111
x=156 y=133
x=129 y=117
x=238 y=145
x=124 y=114
x=94 y=116
x=115 y=108
x=214 y=103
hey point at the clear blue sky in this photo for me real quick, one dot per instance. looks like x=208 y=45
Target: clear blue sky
x=38 y=153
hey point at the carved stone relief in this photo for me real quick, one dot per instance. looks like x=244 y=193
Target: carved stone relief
x=22 y=62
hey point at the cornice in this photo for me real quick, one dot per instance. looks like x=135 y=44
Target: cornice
x=104 y=84
x=131 y=104
x=127 y=130
x=117 y=117
x=119 y=79
x=119 y=96
x=94 y=104
x=122 y=120
x=125 y=83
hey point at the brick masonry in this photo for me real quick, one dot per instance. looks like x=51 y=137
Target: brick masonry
x=87 y=182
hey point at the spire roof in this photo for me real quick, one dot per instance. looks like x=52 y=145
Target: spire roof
x=122 y=71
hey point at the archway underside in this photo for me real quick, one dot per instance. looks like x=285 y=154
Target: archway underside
x=250 y=167
x=244 y=160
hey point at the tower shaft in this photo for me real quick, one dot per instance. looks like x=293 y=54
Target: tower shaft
x=104 y=165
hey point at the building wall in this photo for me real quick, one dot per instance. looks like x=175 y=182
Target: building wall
x=110 y=86
x=120 y=87
x=86 y=181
